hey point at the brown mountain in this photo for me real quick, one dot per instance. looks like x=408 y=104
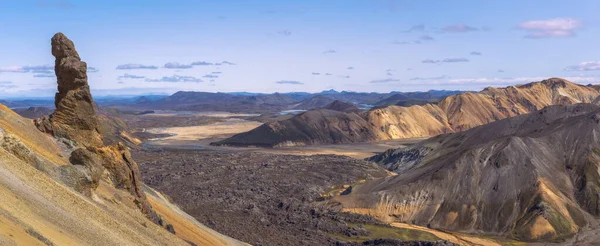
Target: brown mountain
x=33 y=112
x=530 y=177
x=338 y=105
x=61 y=185
x=454 y=113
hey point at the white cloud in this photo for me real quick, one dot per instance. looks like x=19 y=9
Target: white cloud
x=559 y=27
x=382 y=81
x=289 y=82
x=135 y=66
x=459 y=28
x=585 y=66
x=177 y=65
x=176 y=79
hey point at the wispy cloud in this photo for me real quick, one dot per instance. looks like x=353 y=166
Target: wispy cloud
x=285 y=32
x=228 y=63
x=131 y=66
x=500 y=71
x=328 y=74
x=458 y=28
x=202 y=63
x=585 y=66
x=383 y=81
x=329 y=52
x=92 y=70
x=426 y=38
x=176 y=65
x=350 y=68
x=400 y=42
x=416 y=28
x=210 y=76
x=130 y=76
x=388 y=72
x=316 y=73
x=289 y=82
x=7 y=85
x=476 y=53
x=28 y=69
x=216 y=72
x=429 y=78
x=176 y=79
x=44 y=75
x=447 y=60
x=559 y=27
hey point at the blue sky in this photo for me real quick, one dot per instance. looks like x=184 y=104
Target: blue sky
x=154 y=46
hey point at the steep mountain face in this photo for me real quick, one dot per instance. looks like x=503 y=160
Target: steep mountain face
x=61 y=185
x=455 y=113
x=530 y=177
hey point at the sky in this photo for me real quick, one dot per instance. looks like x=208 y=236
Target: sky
x=151 y=46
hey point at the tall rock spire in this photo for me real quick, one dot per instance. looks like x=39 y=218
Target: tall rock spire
x=75 y=116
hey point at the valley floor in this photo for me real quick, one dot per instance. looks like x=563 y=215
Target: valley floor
x=276 y=196
x=200 y=137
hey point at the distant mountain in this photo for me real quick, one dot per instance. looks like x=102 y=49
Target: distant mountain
x=317 y=101
x=342 y=106
x=406 y=100
x=452 y=114
x=529 y=177
x=34 y=112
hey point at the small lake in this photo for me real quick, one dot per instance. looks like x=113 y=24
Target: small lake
x=292 y=111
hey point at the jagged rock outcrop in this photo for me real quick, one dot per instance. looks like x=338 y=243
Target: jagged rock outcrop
x=40 y=170
x=75 y=116
x=75 y=119
x=530 y=177
x=454 y=113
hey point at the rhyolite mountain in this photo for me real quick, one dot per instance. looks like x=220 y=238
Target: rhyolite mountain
x=529 y=177
x=62 y=185
x=454 y=113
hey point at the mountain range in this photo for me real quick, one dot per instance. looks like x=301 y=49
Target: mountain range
x=454 y=113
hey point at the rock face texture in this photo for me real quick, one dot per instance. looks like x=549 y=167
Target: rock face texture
x=75 y=119
x=75 y=116
x=530 y=177
x=452 y=114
